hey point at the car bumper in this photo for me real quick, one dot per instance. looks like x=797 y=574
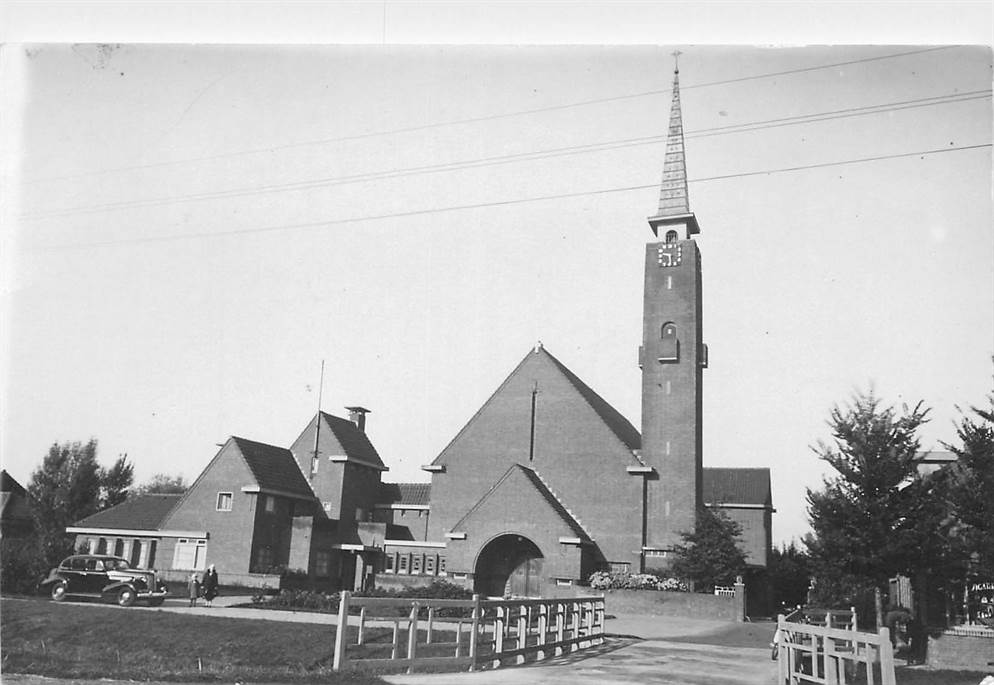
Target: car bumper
x=153 y=595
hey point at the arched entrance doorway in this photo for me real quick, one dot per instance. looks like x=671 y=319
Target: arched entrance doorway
x=509 y=565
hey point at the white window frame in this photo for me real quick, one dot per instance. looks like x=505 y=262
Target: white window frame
x=230 y=498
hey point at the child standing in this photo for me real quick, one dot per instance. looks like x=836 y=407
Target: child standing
x=194 y=587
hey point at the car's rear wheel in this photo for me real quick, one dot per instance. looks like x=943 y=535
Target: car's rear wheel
x=126 y=597
x=59 y=591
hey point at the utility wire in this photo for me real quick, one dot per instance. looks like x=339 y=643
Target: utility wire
x=474 y=120
x=497 y=203
x=517 y=157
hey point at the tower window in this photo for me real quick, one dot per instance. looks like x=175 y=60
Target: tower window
x=671 y=236
x=669 y=346
x=668 y=330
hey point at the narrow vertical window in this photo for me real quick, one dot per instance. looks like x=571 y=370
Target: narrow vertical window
x=531 y=439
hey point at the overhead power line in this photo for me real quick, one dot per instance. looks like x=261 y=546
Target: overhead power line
x=497 y=203
x=517 y=157
x=479 y=119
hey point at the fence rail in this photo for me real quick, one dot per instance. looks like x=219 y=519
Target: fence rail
x=488 y=632
x=827 y=655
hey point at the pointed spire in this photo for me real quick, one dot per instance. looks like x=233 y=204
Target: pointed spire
x=674 y=199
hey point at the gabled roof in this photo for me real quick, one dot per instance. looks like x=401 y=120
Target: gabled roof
x=273 y=468
x=354 y=442
x=144 y=512
x=404 y=493
x=8 y=484
x=731 y=486
x=611 y=417
x=543 y=491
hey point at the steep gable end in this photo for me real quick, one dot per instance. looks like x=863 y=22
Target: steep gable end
x=574 y=400
x=518 y=489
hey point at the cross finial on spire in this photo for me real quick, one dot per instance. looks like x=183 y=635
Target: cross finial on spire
x=676 y=61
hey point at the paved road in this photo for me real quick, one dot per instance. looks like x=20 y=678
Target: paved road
x=644 y=651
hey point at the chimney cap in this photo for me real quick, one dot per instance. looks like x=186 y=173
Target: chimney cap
x=359 y=410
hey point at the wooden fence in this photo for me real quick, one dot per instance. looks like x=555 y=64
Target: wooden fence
x=808 y=653
x=476 y=633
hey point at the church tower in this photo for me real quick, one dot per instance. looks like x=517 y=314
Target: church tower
x=673 y=356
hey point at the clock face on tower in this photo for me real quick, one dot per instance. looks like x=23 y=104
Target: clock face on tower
x=669 y=254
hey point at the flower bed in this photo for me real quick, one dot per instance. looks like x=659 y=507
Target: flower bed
x=605 y=580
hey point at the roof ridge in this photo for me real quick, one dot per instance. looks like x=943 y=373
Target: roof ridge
x=559 y=499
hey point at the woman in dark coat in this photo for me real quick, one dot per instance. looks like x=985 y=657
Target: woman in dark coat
x=209 y=584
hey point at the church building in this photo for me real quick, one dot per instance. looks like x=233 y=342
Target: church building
x=545 y=484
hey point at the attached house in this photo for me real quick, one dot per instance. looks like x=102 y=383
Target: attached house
x=15 y=508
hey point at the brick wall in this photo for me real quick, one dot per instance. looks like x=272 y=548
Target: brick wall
x=230 y=532
x=684 y=604
x=582 y=461
x=964 y=650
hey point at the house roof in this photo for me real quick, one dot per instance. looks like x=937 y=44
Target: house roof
x=354 y=442
x=144 y=512
x=730 y=486
x=8 y=484
x=274 y=468
x=405 y=493
x=540 y=486
x=611 y=417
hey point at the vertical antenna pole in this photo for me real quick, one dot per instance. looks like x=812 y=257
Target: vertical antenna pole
x=317 y=421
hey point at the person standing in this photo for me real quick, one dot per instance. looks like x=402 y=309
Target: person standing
x=193 y=586
x=209 y=584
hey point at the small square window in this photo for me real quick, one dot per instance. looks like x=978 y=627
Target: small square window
x=224 y=501
x=322 y=564
x=327 y=507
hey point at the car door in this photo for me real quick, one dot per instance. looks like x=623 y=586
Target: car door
x=96 y=576
x=74 y=573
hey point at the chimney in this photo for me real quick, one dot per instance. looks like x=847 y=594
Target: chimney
x=357 y=415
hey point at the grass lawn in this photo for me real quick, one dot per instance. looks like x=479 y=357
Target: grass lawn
x=100 y=641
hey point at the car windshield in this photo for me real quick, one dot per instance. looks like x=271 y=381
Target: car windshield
x=116 y=565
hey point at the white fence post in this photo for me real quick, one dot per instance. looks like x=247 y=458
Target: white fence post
x=343 y=626
x=474 y=634
x=412 y=636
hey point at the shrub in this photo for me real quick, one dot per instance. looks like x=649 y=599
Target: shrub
x=319 y=601
x=23 y=566
x=605 y=580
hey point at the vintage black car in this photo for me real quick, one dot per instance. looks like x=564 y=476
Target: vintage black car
x=107 y=577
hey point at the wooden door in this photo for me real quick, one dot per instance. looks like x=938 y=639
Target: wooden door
x=526 y=578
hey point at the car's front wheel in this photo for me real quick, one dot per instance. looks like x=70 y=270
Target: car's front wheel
x=126 y=597
x=59 y=591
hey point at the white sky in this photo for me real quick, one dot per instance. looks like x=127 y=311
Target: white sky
x=817 y=281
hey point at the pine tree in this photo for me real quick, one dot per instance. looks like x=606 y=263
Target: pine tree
x=710 y=554
x=969 y=485
x=865 y=518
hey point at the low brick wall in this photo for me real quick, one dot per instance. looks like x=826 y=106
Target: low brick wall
x=660 y=603
x=965 y=649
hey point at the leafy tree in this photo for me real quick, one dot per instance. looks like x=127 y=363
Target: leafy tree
x=68 y=486
x=789 y=574
x=115 y=482
x=864 y=519
x=162 y=483
x=710 y=554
